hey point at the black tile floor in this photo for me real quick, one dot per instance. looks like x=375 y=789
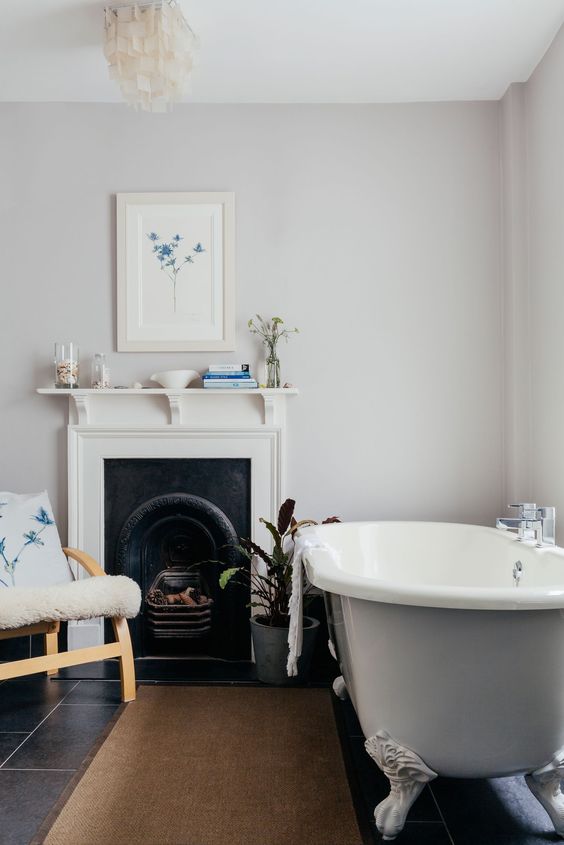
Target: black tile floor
x=47 y=728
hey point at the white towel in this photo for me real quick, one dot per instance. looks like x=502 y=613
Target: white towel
x=301 y=545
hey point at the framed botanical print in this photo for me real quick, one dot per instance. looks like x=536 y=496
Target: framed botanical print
x=175 y=272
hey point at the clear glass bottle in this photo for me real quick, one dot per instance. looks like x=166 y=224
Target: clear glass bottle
x=100 y=372
x=272 y=368
x=66 y=365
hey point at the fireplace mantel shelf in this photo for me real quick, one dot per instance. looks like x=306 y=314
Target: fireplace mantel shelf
x=83 y=398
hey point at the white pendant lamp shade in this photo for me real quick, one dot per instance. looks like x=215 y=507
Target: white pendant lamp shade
x=150 y=50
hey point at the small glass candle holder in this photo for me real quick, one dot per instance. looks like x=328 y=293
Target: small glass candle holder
x=66 y=365
x=100 y=372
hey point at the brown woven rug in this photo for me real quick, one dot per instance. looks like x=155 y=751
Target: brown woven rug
x=214 y=766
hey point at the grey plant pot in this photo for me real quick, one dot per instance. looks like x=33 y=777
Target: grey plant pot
x=271 y=652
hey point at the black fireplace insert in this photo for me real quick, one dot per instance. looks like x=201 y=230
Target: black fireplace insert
x=172 y=525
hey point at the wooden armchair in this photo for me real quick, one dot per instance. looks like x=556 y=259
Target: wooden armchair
x=53 y=660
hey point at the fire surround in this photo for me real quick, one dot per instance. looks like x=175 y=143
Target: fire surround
x=143 y=424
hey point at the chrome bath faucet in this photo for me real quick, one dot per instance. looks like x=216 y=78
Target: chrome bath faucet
x=533 y=523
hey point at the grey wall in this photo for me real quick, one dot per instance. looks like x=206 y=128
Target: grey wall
x=544 y=132
x=375 y=229
x=516 y=311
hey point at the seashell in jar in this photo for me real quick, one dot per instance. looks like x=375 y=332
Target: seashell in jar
x=67 y=372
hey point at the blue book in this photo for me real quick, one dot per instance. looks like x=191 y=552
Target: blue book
x=219 y=376
x=234 y=384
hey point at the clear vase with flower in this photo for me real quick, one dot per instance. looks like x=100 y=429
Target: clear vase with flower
x=271 y=331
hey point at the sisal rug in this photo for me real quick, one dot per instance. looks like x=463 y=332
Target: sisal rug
x=214 y=766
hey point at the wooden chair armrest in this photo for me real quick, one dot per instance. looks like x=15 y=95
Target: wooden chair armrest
x=89 y=564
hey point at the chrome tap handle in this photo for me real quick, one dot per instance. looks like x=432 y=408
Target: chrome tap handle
x=547 y=517
x=546 y=513
x=531 y=523
x=527 y=510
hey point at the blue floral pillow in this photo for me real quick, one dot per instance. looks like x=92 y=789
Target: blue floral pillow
x=30 y=548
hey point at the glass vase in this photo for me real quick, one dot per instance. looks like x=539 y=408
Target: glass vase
x=66 y=365
x=273 y=371
x=100 y=379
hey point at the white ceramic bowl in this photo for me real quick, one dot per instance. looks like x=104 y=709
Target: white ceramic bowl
x=175 y=379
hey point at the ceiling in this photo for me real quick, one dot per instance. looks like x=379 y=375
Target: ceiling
x=294 y=50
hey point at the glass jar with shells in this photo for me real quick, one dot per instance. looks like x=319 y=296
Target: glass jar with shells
x=66 y=365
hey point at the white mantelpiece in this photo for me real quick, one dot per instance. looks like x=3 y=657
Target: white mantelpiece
x=159 y=423
x=182 y=406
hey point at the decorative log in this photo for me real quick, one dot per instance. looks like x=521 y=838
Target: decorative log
x=191 y=596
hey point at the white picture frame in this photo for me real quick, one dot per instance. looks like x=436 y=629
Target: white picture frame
x=176 y=272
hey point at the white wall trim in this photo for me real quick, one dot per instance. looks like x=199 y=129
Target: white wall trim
x=90 y=446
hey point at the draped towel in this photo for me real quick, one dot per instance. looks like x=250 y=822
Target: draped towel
x=301 y=545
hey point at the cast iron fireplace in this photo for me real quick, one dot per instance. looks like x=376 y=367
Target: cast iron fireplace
x=167 y=523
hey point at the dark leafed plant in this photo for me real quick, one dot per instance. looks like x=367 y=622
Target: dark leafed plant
x=270 y=583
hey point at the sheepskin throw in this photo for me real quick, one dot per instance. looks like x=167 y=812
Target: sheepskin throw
x=102 y=595
x=30 y=548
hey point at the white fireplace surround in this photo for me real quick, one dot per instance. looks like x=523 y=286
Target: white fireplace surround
x=188 y=423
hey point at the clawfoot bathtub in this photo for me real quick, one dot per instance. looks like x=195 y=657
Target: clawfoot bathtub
x=450 y=640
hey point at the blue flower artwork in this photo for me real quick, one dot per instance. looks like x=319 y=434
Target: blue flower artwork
x=168 y=260
x=31 y=538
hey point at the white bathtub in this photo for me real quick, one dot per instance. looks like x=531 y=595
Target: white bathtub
x=452 y=668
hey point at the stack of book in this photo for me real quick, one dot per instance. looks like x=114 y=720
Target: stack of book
x=229 y=377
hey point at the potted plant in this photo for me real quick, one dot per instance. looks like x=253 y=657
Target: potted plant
x=269 y=576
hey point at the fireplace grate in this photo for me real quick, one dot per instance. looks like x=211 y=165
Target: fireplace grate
x=178 y=605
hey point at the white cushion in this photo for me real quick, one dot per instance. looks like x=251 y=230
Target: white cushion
x=30 y=548
x=102 y=595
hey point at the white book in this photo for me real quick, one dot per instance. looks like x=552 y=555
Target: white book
x=228 y=368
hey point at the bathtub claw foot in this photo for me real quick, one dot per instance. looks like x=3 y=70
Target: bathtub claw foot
x=545 y=786
x=340 y=688
x=407 y=774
